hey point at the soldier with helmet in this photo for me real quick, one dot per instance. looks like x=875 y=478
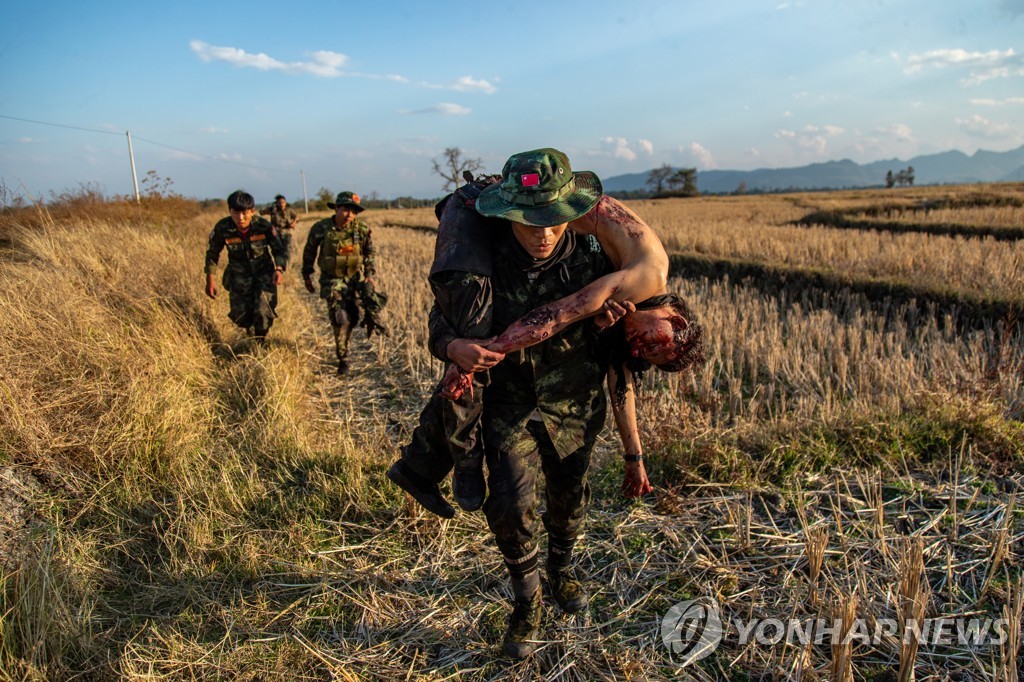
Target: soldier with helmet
x=256 y=264
x=342 y=247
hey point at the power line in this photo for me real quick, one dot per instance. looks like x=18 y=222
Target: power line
x=158 y=144
x=60 y=125
x=212 y=158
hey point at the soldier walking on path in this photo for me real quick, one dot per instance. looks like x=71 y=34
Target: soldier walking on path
x=342 y=247
x=284 y=219
x=255 y=268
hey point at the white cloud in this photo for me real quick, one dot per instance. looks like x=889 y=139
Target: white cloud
x=213 y=130
x=324 y=64
x=811 y=137
x=647 y=146
x=180 y=154
x=826 y=130
x=982 y=127
x=997 y=102
x=619 y=148
x=704 y=157
x=815 y=143
x=464 y=84
x=26 y=140
x=445 y=108
x=753 y=152
x=469 y=84
x=981 y=66
x=899 y=131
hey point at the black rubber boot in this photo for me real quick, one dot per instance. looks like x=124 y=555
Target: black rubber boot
x=422 y=490
x=342 y=367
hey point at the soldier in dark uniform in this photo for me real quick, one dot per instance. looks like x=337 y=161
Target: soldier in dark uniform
x=284 y=219
x=544 y=405
x=256 y=264
x=460 y=278
x=346 y=262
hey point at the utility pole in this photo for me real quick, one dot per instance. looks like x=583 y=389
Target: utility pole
x=131 y=155
x=305 y=199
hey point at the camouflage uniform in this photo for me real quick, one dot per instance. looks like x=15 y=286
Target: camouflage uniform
x=283 y=220
x=346 y=262
x=544 y=404
x=249 y=275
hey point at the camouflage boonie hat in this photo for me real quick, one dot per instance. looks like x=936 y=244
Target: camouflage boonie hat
x=347 y=199
x=539 y=188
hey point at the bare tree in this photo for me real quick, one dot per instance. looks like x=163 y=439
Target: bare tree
x=452 y=167
x=658 y=177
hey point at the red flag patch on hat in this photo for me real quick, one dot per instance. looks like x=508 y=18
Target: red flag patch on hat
x=530 y=179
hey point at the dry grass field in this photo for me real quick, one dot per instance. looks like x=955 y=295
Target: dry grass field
x=177 y=503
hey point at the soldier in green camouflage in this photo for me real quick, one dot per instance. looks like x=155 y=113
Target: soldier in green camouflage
x=284 y=219
x=544 y=406
x=346 y=262
x=255 y=268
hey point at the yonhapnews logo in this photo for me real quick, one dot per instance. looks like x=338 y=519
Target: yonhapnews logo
x=692 y=630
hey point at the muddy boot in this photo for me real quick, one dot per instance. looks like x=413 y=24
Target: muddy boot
x=527 y=612
x=422 y=490
x=565 y=587
x=468 y=481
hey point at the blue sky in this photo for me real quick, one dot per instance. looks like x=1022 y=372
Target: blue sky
x=362 y=96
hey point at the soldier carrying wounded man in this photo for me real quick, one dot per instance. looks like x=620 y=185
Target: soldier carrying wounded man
x=543 y=405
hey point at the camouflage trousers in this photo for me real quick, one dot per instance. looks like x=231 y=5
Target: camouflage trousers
x=286 y=241
x=348 y=300
x=511 y=505
x=253 y=299
x=342 y=301
x=448 y=433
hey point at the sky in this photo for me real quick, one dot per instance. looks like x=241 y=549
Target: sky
x=363 y=96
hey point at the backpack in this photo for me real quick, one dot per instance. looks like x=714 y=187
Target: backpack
x=464 y=236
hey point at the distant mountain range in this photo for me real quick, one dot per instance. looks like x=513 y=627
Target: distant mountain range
x=946 y=168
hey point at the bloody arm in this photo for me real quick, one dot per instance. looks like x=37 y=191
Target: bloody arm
x=641 y=272
x=635 y=482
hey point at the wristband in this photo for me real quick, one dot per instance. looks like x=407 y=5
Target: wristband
x=632 y=458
